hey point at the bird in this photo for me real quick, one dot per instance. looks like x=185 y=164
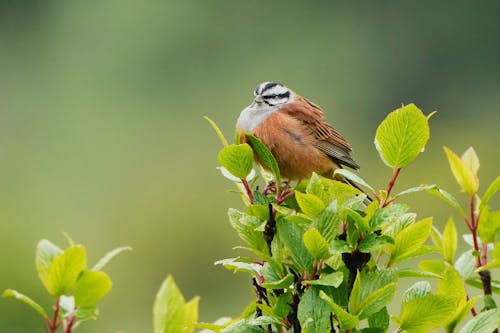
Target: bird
x=296 y=132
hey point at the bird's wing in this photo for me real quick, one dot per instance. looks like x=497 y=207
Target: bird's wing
x=328 y=139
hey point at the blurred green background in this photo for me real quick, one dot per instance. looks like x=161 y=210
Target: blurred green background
x=102 y=136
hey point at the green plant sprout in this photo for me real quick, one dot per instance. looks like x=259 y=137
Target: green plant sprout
x=75 y=288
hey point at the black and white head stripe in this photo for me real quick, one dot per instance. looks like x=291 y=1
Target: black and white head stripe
x=273 y=93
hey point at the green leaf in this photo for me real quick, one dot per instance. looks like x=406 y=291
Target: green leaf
x=171 y=313
x=416 y=189
x=46 y=251
x=374 y=242
x=90 y=287
x=291 y=235
x=465 y=264
x=402 y=136
x=217 y=130
x=345 y=319
x=331 y=279
x=284 y=283
x=237 y=159
x=462 y=312
x=417 y=290
x=387 y=215
x=448 y=198
x=449 y=246
x=243 y=326
x=349 y=175
x=108 y=256
x=240 y=264
x=376 y=301
x=313 y=313
x=490 y=192
x=471 y=161
x=316 y=245
x=484 y=322
x=409 y=241
x=425 y=313
x=64 y=270
x=328 y=222
x=25 y=299
x=310 y=204
x=245 y=226
x=265 y=156
x=452 y=285
x=489 y=225
x=380 y=320
x=463 y=175
x=330 y=190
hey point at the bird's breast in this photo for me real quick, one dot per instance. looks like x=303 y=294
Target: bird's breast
x=252 y=116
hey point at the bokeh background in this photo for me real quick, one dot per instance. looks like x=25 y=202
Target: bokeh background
x=102 y=136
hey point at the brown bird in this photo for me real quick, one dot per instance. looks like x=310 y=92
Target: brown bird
x=296 y=132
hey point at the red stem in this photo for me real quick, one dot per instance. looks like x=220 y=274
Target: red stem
x=248 y=190
x=54 y=324
x=69 y=327
x=391 y=185
x=473 y=229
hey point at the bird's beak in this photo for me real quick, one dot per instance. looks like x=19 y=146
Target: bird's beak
x=258 y=99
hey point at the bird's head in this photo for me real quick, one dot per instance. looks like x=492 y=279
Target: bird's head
x=272 y=94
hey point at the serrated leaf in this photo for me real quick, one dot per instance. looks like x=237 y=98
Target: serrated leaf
x=450 y=240
x=310 y=204
x=312 y=312
x=463 y=175
x=484 y=322
x=217 y=131
x=90 y=287
x=349 y=175
x=10 y=293
x=171 y=314
x=425 y=313
x=387 y=215
x=402 y=136
x=417 y=290
x=64 y=270
x=265 y=156
x=243 y=326
x=316 y=245
x=490 y=192
x=108 y=256
x=332 y=279
x=409 y=241
x=237 y=159
x=345 y=319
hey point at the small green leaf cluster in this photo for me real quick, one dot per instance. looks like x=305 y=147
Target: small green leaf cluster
x=76 y=289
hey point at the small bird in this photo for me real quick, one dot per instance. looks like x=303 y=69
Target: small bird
x=296 y=132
